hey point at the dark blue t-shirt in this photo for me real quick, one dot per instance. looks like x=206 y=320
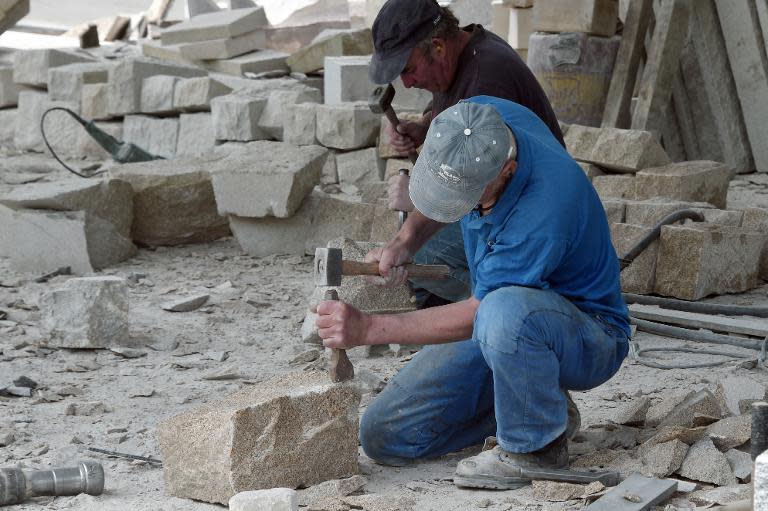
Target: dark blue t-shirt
x=548 y=229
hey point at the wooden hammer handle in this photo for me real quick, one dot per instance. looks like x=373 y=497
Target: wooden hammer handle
x=419 y=271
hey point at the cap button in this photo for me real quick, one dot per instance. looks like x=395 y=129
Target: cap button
x=467 y=131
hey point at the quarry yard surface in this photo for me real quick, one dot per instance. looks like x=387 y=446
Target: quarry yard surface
x=247 y=332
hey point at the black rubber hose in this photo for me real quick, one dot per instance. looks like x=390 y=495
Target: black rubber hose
x=695 y=335
x=48 y=145
x=649 y=238
x=703 y=308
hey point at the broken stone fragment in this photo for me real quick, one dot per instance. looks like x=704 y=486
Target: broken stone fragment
x=296 y=430
x=86 y=408
x=703 y=402
x=731 y=431
x=90 y=312
x=704 y=462
x=274 y=499
x=186 y=304
x=661 y=460
x=741 y=464
x=736 y=393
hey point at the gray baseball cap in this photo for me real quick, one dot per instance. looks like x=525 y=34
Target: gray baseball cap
x=465 y=149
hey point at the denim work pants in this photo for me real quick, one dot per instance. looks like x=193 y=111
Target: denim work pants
x=508 y=380
x=445 y=247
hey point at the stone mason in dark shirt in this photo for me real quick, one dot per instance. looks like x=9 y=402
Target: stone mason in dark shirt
x=422 y=43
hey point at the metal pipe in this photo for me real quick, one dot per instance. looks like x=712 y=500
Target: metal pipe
x=16 y=484
x=703 y=308
x=695 y=335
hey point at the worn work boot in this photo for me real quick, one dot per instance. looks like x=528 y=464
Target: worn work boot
x=497 y=469
x=574 y=417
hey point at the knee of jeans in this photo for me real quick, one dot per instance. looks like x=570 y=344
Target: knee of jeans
x=377 y=440
x=502 y=313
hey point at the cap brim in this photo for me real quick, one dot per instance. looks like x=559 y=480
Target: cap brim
x=434 y=199
x=385 y=70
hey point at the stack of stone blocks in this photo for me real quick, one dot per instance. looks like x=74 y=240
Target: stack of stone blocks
x=513 y=22
x=639 y=186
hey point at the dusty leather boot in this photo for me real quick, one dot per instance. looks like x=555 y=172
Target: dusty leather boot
x=497 y=469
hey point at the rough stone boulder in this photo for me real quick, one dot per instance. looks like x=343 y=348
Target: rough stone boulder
x=173 y=201
x=293 y=431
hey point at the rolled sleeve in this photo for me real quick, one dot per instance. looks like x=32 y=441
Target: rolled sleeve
x=524 y=262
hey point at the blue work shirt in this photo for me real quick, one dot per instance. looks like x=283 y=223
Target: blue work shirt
x=548 y=229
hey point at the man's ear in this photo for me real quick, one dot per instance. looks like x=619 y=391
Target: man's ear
x=509 y=168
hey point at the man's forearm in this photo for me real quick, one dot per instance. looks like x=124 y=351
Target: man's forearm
x=436 y=325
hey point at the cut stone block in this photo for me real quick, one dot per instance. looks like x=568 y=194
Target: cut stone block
x=385 y=223
x=255 y=62
x=590 y=170
x=335 y=43
x=615 y=149
x=89 y=149
x=662 y=460
x=693 y=181
x=346 y=79
x=640 y=276
x=275 y=499
x=347 y=126
x=195 y=8
x=705 y=463
x=299 y=124
x=60 y=128
x=614 y=210
x=357 y=167
x=94 y=101
x=519 y=28
x=108 y=199
x=8 y=119
x=196 y=135
x=695 y=262
x=13 y=12
x=652 y=211
x=736 y=393
x=127 y=77
x=30 y=67
x=9 y=90
x=596 y=17
x=157 y=136
x=65 y=83
x=89 y=312
x=216 y=25
x=731 y=432
x=195 y=94
x=236 y=117
x=369 y=298
x=280 y=433
x=248 y=185
x=42 y=241
x=756 y=219
x=173 y=201
x=702 y=403
x=157 y=94
x=471 y=11
x=317 y=220
x=272 y=119
x=214 y=49
x=614 y=187
x=761 y=481
x=385 y=150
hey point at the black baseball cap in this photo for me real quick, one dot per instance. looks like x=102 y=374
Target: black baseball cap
x=398 y=28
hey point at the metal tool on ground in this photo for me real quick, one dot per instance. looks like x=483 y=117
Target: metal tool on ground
x=330 y=267
x=341 y=367
x=121 y=152
x=116 y=454
x=635 y=493
x=608 y=478
x=16 y=485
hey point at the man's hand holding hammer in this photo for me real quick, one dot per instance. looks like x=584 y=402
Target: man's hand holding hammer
x=405 y=139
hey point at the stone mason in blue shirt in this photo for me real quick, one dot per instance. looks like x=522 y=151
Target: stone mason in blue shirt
x=545 y=315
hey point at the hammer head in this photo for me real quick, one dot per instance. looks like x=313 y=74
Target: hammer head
x=327 y=266
x=381 y=99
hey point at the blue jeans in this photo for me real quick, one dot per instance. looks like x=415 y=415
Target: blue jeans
x=445 y=247
x=508 y=380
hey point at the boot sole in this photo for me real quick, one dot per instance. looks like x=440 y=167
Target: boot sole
x=491 y=483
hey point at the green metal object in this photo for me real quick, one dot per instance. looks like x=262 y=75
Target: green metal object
x=121 y=152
